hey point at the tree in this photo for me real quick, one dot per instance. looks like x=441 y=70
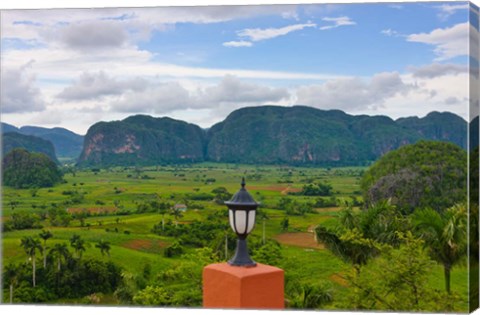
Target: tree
x=348 y=244
x=445 y=234
x=10 y=276
x=401 y=281
x=45 y=235
x=284 y=224
x=60 y=251
x=22 y=169
x=30 y=245
x=425 y=174
x=161 y=208
x=263 y=216
x=104 y=247
x=78 y=244
x=308 y=296
x=177 y=213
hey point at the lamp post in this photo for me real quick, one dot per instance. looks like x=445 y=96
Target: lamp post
x=241 y=213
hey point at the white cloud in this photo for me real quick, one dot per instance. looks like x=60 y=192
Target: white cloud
x=241 y=43
x=391 y=33
x=160 y=99
x=353 y=94
x=166 y=97
x=97 y=85
x=139 y=22
x=448 y=42
x=337 y=22
x=447 y=10
x=437 y=70
x=258 y=34
x=19 y=93
x=86 y=36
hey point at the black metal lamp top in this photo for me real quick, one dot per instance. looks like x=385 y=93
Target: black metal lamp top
x=242 y=199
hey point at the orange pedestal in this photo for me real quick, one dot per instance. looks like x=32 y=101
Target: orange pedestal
x=259 y=287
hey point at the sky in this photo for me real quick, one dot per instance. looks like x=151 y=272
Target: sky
x=74 y=67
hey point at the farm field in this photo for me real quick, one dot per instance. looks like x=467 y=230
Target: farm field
x=110 y=205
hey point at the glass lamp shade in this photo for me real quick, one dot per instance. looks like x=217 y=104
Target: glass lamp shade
x=242 y=221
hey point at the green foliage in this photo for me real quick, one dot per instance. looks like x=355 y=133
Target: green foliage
x=425 y=174
x=400 y=281
x=317 y=189
x=15 y=140
x=308 y=296
x=141 y=140
x=270 y=253
x=445 y=234
x=302 y=135
x=21 y=220
x=173 y=250
x=22 y=169
x=181 y=285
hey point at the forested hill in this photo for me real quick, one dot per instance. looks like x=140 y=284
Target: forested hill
x=13 y=140
x=304 y=135
x=297 y=135
x=142 y=140
x=66 y=143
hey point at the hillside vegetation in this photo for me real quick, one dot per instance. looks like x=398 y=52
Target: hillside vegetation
x=13 y=140
x=22 y=169
x=297 y=135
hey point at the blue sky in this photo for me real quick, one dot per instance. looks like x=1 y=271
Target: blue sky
x=72 y=68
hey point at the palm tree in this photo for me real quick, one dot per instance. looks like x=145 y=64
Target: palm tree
x=11 y=277
x=45 y=235
x=59 y=251
x=263 y=215
x=78 y=244
x=445 y=234
x=30 y=245
x=162 y=208
x=104 y=247
x=349 y=245
x=177 y=213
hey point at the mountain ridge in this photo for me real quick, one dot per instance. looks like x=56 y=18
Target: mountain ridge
x=297 y=135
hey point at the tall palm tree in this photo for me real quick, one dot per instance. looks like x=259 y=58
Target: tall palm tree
x=263 y=216
x=45 y=235
x=445 y=234
x=30 y=245
x=11 y=277
x=104 y=247
x=60 y=251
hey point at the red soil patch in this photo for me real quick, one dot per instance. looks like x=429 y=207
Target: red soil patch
x=145 y=245
x=300 y=239
x=339 y=279
x=92 y=210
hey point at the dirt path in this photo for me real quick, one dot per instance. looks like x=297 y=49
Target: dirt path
x=300 y=239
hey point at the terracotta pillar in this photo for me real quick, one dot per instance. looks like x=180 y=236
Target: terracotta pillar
x=259 y=287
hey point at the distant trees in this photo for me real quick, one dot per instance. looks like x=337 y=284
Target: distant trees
x=22 y=169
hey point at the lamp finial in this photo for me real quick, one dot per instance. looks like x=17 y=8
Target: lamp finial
x=243 y=182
